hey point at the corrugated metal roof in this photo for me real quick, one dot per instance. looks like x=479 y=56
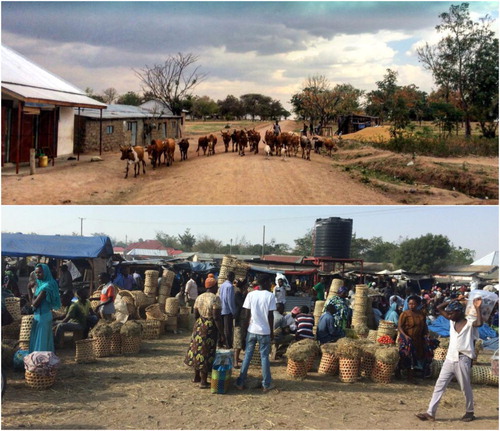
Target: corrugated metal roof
x=23 y=79
x=116 y=112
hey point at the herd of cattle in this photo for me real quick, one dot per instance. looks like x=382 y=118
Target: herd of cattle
x=284 y=144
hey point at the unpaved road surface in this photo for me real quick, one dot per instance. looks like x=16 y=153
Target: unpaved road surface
x=153 y=390
x=222 y=179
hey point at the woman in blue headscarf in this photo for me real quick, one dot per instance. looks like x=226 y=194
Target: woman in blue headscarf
x=45 y=300
x=392 y=315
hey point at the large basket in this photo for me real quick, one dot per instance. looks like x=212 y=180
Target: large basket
x=26 y=324
x=382 y=372
x=38 y=381
x=102 y=346
x=153 y=312
x=171 y=324
x=172 y=306
x=115 y=346
x=24 y=345
x=386 y=328
x=334 y=287
x=151 y=329
x=151 y=282
x=139 y=297
x=161 y=301
x=329 y=364
x=84 y=351
x=168 y=277
x=348 y=370
x=13 y=305
x=11 y=331
x=440 y=353
x=310 y=362
x=296 y=369
x=366 y=365
x=318 y=308
x=131 y=345
x=482 y=375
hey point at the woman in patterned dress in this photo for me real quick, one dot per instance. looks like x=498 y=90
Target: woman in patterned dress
x=207 y=330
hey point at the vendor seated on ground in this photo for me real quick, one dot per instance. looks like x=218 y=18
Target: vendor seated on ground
x=327 y=332
x=305 y=324
x=75 y=319
x=282 y=335
x=290 y=319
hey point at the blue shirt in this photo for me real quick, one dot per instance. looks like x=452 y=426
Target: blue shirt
x=226 y=294
x=326 y=331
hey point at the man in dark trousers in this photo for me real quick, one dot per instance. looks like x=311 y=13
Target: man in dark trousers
x=226 y=294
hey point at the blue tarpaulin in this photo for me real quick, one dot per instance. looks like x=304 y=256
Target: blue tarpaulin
x=56 y=246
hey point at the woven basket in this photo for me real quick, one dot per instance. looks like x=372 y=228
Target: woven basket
x=168 y=276
x=296 y=369
x=115 y=346
x=151 y=329
x=255 y=360
x=131 y=345
x=386 y=328
x=334 y=287
x=230 y=261
x=372 y=335
x=436 y=366
x=318 y=308
x=151 y=282
x=171 y=324
x=366 y=365
x=139 y=297
x=38 y=381
x=440 y=353
x=13 y=305
x=85 y=351
x=310 y=362
x=94 y=304
x=482 y=375
x=24 y=345
x=172 y=306
x=102 y=346
x=382 y=372
x=329 y=364
x=153 y=312
x=348 y=370
x=26 y=324
x=11 y=331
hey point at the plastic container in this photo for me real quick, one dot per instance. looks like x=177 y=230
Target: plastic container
x=43 y=161
x=489 y=301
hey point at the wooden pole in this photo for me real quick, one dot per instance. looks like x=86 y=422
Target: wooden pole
x=32 y=161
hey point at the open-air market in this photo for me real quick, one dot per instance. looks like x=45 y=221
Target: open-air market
x=164 y=331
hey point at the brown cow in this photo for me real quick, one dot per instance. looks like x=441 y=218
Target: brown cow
x=242 y=142
x=212 y=142
x=270 y=139
x=183 y=147
x=235 y=136
x=305 y=144
x=203 y=144
x=155 y=150
x=226 y=138
x=169 y=150
x=294 y=144
x=330 y=146
x=253 y=139
x=135 y=156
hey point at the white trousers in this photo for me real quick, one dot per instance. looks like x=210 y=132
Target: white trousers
x=461 y=370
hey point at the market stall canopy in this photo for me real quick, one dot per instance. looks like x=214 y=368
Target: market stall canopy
x=384 y=272
x=56 y=246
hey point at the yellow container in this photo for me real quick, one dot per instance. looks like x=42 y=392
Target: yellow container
x=43 y=161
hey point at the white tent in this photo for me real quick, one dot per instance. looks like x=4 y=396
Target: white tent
x=384 y=272
x=489 y=260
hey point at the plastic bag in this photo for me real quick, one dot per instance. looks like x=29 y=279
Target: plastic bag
x=489 y=301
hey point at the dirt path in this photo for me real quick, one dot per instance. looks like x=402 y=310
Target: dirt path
x=228 y=179
x=152 y=390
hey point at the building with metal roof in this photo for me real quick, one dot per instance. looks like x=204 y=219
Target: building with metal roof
x=37 y=110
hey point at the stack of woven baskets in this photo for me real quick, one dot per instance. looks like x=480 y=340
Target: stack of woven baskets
x=167 y=280
x=361 y=305
x=318 y=311
x=172 y=311
x=25 y=332
x=151 y=285
x=337 y=283
x=11 y=331
x=386 y=327
x=231 y=263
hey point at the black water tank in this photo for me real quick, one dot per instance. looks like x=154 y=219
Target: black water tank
x=333 y=237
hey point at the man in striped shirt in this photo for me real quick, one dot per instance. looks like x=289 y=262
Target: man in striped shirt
x=305 y=324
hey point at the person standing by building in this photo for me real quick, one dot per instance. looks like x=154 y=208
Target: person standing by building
x=138 y=281
x=320 y=289
x=461 y=352
x=226 y=293
x=259 y=305
x=65 y=280
x=280 y=291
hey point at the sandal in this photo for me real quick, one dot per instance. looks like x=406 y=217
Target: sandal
x=468 y=417
x=204 y=385
x=425 y=417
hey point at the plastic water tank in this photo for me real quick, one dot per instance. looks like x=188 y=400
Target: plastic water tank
x=333 y=237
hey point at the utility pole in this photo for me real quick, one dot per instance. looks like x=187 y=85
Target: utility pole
x=231 y=246
x=263 y=239
x=81 y=225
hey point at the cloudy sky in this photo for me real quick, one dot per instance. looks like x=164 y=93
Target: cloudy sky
x=473 y=227
x=265 y=47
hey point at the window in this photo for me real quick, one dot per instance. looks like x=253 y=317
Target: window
x=110 y=130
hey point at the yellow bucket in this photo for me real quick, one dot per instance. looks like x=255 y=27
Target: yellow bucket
x=43 y=161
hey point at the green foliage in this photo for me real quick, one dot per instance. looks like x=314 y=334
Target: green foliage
x=204 y=107
x=372 y=250
x=168 y=240
x=304 y=245
x=187 y=240
x=129 y=98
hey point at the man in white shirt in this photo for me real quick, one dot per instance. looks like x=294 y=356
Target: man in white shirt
x=280 y=292
x=191 y=291
x=463 y=333
x=259 y=306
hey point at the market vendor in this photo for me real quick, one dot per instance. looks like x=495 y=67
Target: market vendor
x=343 y=313
x=106 y=307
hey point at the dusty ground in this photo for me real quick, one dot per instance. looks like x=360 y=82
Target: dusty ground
x=152 y=390
x=228 y=179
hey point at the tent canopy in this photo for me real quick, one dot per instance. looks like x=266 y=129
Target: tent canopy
x=56 y=246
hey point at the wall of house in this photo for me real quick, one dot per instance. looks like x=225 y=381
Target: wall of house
x=65 y=132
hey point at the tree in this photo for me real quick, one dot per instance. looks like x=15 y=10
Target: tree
x=109 y=95
x=187 y=240
x=426 y=254
x=458 y=59
x=172 y=81
x=381 y=101
x=304 y=244
x=230 y=108
x=205 y=244
x=372 y=250
x=255 y=104
x=168 y=240
x=90 y=93
x=204 y=107
x=129 y=98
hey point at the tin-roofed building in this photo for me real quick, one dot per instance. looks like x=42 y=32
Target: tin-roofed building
x=37 y=110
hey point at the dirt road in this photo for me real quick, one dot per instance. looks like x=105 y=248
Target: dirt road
x=153 y=390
